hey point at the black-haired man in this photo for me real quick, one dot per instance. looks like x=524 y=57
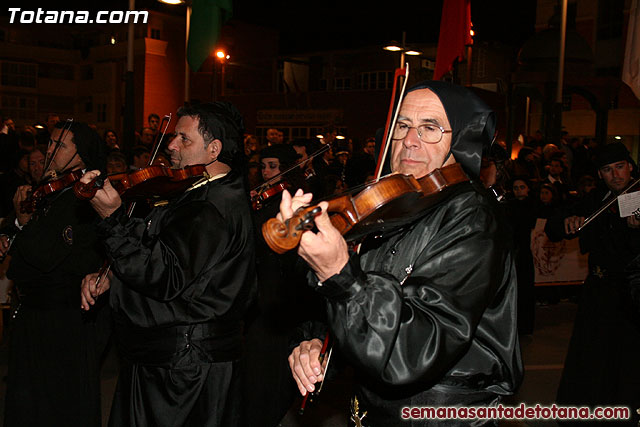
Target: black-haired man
x=54 y=359
x=182 y=281
x=601 y=364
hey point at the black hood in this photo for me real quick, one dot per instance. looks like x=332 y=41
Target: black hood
x=472 y=121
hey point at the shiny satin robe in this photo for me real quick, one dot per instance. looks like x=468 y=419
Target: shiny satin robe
x=184 y=278
x=427 y=315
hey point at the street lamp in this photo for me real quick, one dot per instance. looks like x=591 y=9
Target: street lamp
x=223 y=57
x=402 y=48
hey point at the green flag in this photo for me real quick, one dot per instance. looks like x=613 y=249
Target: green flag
x=207 y=19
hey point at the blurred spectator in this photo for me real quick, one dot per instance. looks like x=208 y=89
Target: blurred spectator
x=52 y=120
x=341 y=155
x=329 y=134
x=548 y=201
x=548 y=151
x=111 y=139
x=304 y=149
x=140 y=157
x=557 y=176
x=361 y=166
x=8 y=145
x=586 y=184
x=526 y=164
x=147 y=137
x=8 y=126
x=154 y=122
x=116 y=163
x=522 y=216
x=273 y=137
x=36 y=163
x=251 y=145
x=10 y=181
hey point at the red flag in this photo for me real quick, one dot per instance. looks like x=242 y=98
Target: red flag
x=631 y=66
x=455 y=28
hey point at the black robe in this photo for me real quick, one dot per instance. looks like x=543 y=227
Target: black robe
x=55 y=348
x=427 y=315
x=284 y=301
x=184 y=278
x=601 y=367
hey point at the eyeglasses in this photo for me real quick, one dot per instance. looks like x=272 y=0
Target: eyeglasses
x=431 y=134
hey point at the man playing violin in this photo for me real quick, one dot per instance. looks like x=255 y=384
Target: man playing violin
x=426 y=312
x=182 y=280
x=601 y=365
x=54 y=358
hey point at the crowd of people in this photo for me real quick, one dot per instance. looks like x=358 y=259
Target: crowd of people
x=215 y=328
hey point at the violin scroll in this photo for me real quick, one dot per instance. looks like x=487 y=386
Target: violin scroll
x=284 y=236
x=88 y=191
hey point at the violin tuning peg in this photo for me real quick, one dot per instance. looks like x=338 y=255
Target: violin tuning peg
x=307 y=223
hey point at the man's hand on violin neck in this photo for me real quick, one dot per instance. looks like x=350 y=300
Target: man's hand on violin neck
x=107 y=200
x=326 y=251
x=305 y=365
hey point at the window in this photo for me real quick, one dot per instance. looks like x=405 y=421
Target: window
x=101 y=110
x=55 y=71
x=19 y=107
x=376 y=80
x=19 y=74
x=342 y=83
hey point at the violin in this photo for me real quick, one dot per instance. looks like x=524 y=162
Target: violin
x=258 y=200
x=383 y=205
x=607 y=204
x=146 y=183
x=37 y=195
x=272 y=187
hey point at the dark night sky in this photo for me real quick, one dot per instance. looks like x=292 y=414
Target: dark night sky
x=328 y=24
x=318 y=25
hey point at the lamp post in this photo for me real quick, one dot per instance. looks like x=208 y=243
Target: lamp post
x=223 y=57
x=402 y=48
x=128 y=122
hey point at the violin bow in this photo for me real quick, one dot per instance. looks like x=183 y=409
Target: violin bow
x=401 y=75
x=325 y=352
x=607 y=204
x=269 y=182
x=106 y=267
x=154 y=153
